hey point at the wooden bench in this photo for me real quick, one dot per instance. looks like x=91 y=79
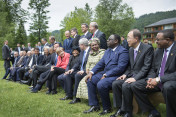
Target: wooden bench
x=155 y=99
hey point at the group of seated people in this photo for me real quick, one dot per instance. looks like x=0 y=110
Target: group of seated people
x=89 y=70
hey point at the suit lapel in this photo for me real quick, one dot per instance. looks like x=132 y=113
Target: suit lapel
x=139 y=53
x=132 y=56
x=159 y=60
x=170 y=56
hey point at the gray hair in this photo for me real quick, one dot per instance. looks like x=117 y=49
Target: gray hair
x=46 y=47
x=84 y=41
x=94 y=24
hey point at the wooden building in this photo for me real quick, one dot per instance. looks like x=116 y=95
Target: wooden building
x=151 y=30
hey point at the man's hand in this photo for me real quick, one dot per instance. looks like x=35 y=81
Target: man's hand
x=30 y=70
x=121 y=77
x=80 y=72
x=130 y=80
x=88 y=76
x=52 y=68
x=151 y=83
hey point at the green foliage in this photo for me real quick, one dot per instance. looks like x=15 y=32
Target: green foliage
x=114 y=17
x=147 y=19
x=76 y=18
x=39 y=18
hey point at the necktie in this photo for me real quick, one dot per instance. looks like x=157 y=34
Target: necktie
x=93 y=35
x=83 y=60
x=111 y=53
x=163 y=63
x=135 y=54
x=15 y=62
x=55 y=60
x=36 y=59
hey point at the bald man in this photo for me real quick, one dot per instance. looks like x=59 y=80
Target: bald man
x=67 y=45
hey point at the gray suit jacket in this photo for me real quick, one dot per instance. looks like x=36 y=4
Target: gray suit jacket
x=103 y=42
x=5 y=52
x=170 y=68
x=142 y=64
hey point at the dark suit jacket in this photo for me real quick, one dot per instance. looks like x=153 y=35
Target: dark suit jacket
x=60 y=45
x=75 y=42
x=115 y=65
x=72 y=61
x=87 y=36
x=5 y=52
x=170 y=68
x=142 y=64
x=125 y=44
x=16 y=49
x=103 y=42
x=39 y=60
x=53 y=58
x=68 y=46
x=46 y=60
x=18 y=58
x=78 y=65
x=20 y=62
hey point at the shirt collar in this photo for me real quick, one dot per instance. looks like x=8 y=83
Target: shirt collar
x=85 y=33
x=75 y=36
x=169 y=48
x=95 y=31
x=114 y=48
x=137 y=48
x=86 y=49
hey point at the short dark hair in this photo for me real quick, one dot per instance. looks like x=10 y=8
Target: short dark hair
x=136 y=33
x=36 y=48
x=168 y=34
x=87 y=26
x=74 y=30
x=52 y=38
x=44 y=39
x=117 y=37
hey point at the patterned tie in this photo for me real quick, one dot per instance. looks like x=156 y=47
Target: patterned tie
x=55 y=60
x=163 y=64
x=135 y=54
x=83 y=60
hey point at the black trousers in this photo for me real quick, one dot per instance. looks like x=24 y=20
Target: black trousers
x=6 y=64
x=52 y=78
x=66 y=82
x=122 y=95
x=36 y=72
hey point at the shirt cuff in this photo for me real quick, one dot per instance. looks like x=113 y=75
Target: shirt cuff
x=92 y=72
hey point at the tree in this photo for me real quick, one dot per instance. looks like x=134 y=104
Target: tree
x=39 y=18
x=114 y=17
x=76 y=18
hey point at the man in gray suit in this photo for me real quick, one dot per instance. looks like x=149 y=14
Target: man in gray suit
x=87 y=34
x=6 y=55
x=93 y=27
x=141 y=56
x=162 y=76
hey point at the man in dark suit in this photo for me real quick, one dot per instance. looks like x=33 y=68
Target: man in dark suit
x=98 y=34
x=87 y=34
x=67 y=45
x=79 y=68
x=124 y=42
x=6 y=55
x=29 y=47
x=141 y=56
x=161 y=77
x=18 y=48
x=76 y=38
x=146 y=41
x=45 y=43
x=53 y=41
x=113 y=64
x=23 y=48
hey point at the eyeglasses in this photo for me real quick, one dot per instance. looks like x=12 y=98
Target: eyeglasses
x=110 y=39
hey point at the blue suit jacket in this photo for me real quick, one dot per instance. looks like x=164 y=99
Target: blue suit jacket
x=68 y=46
x=113 y=66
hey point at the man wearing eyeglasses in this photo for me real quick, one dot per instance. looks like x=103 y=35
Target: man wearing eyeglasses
x=162 y=77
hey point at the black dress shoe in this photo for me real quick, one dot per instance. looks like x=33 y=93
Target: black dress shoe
x=127 y=115
x=66 y=98
x=48 y=92
x=105 y=112
x=92 y=109
x=34 y=91
x=75 y=100
x=154 y=113
x=24 y=82
x=54 y=92
x=118 y=113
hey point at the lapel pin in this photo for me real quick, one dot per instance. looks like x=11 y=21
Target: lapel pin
x=171 y=54
x=139 y=51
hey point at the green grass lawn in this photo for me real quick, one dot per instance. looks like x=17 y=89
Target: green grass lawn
x=17 y=101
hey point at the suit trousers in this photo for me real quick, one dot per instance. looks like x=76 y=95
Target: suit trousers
x=6 y=64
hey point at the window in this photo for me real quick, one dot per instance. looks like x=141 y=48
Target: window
x=170 y=26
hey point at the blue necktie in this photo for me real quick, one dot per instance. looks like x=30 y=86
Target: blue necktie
x=83 y=60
